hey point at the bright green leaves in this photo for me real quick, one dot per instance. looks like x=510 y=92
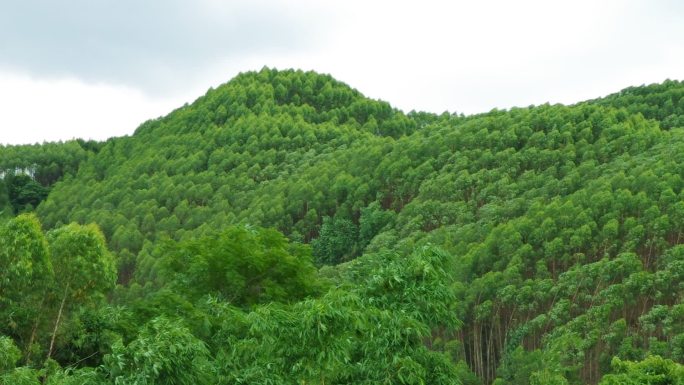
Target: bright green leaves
x=653 y=370
x=9 y=357
x=83 y=267
x=42 y=278
x=21 y=376
x=339 y=338
x=419 y=285
x=164 y=353
x=26 y=273
x=24 y=258
x=376 y=331
x=82 y=263
x=9 y=354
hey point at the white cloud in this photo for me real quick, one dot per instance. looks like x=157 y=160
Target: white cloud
x=433 y=55
x=35 y=110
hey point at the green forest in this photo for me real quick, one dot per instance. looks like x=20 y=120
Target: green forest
x=285 y=229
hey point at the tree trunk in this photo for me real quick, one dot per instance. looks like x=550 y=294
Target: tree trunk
x=59 y=318
x=33 y=333
x=33 y=337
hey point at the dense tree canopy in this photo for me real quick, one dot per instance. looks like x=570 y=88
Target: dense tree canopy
x=285 y=229
x=27 y=172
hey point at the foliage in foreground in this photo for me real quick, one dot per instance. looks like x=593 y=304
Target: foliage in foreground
x=372 y=333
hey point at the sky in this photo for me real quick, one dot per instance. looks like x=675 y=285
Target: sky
x=95 y=69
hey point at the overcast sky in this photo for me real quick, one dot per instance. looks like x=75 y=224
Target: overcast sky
x=98 y=68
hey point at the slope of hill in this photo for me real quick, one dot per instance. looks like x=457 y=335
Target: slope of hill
x=533 y=245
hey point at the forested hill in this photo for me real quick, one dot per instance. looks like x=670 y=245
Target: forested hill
x=290 y=230
x=278 y=149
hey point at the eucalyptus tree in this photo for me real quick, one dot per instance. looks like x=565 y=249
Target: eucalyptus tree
x=83 y=268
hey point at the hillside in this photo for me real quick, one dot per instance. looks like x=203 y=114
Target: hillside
x=285 y=221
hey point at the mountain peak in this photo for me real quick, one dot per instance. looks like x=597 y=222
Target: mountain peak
x=315 y=97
